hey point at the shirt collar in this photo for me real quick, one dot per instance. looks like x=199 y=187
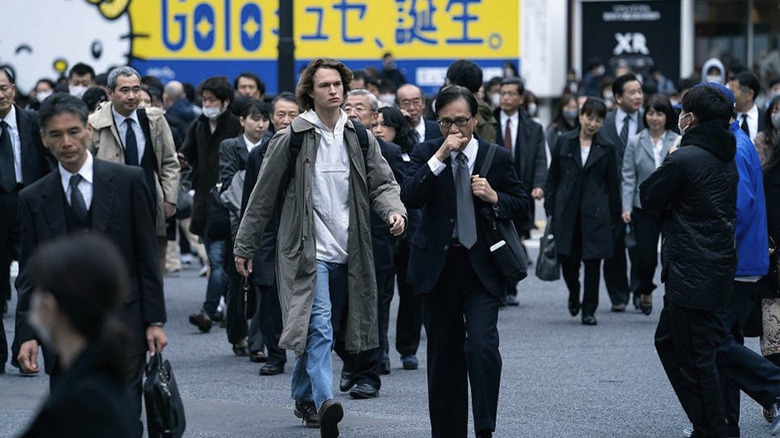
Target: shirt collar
x=86 y=171
x=752 y=113
x=249 y=144
x=470 y=150
x=514 y=117
x=119 y=118
x=621 y=115
x=10 y=118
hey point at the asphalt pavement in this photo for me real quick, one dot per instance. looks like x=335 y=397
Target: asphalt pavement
x=560 y=378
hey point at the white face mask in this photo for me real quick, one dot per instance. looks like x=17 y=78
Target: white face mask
x=776 y=120
x=532 y=109
x=713 y=78
x=212 y=112
x=388 y=98
x=77 y=90
x=679 y=126
x=40 y=97
x=495 y=100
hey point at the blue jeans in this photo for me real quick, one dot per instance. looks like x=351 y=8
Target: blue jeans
x=218 y=283
x=313 y=372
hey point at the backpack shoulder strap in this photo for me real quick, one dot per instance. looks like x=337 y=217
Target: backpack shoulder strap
x=488 y=160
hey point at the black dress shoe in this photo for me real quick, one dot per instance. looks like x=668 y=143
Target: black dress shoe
x=257 y=357
x=589 y=320
x=646 y=304
x=201 y=321
x=385 y=370
x=331 y=414
x=363 y=391
x=347 y=381
x=511 y=300
x=307 y=412
x=240 y=351
x=270 y=369
x=574 y=307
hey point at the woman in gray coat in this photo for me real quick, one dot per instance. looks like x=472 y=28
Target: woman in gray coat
x=645 y=152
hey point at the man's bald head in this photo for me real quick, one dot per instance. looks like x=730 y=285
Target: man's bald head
x=410 y=99
x=173 y=93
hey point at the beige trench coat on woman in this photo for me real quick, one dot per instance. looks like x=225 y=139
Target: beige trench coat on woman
x=296 y=264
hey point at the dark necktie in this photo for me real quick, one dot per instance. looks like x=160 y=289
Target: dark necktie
x=77 y=203
x=508 y=135
x=131 y=145
x=467 y=227
x=7 y=168
x=745 y=126
x=624 y=131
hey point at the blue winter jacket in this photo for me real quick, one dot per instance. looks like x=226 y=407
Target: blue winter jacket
x=752 y=239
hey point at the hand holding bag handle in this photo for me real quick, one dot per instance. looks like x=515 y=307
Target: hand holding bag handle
x=164 y=409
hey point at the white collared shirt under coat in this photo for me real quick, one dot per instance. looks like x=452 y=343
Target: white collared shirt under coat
x=514 y=121
x=85 y=185
x=471 y=149
x=121 y=126
x=16 y=142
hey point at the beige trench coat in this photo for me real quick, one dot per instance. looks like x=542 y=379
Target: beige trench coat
x=107 y=146
x=296 y=267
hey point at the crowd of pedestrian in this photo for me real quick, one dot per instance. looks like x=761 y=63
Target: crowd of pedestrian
x=307 y=211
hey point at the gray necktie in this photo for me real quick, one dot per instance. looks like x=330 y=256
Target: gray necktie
x=77 y=203
x=624 y=131
x=467 y=227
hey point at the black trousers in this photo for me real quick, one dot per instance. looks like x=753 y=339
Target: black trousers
x=364 y=366
x=270 y=317
x=385 y=283
x=644 y=256
x=616 y=268
x=570 y=268
x=236 y=302
x=460 y=318
x=686 y=343
x=10 y=234
x=741 y=368
x=409 y=321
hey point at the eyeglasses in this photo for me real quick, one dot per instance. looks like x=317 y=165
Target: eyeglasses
x=406 y=103
x=508 y=93
x=446 y=123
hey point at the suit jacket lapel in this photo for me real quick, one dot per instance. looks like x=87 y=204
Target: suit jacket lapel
x=24 y=126
x=53 y=205
x=669 y=139
x=243 y=152
x=596 y=152
x=143 y=120
x=103 y=189
x=647 y=144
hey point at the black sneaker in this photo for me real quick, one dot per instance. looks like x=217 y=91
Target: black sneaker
x=331 y=414
x=307 y=412
x=201 y=321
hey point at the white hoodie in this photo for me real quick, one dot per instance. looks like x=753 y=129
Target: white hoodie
x=330 y=190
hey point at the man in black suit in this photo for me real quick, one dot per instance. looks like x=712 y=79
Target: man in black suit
x=23 y=160
x=88 y=194
x=450 y=263
x=524 y=139
x=410 y=99
x=619 y=125
x=746 y=87
x=362 y=370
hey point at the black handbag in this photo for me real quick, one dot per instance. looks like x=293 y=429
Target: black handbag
x=217 y=217
x=506 y=249
x=547 y=266
x=164 y=408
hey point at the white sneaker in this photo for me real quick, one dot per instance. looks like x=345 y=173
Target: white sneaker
x=688 y=432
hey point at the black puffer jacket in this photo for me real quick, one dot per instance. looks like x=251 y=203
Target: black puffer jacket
x=695 y=190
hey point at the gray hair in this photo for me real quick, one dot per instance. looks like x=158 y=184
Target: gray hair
x=373 y=101
x=121 y=71
x=175 y=90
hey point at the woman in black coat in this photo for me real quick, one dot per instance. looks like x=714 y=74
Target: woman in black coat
x=79 y=281
x=770 y=290
x=582 y=196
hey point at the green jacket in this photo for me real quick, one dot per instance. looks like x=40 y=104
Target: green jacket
x=296 y=264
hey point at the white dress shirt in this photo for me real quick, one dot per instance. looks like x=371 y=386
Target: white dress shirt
x=514 y=121
x=250 y=145
x=16 y=142
x=658 y=147
x=140 y=138
x=752 y=121
x=620 y=115
x=437 y=167
x=420 y=128
x=584 y=153
x=85 y=185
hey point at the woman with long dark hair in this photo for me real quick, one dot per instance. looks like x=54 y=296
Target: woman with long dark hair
x=78 y=283
x=644 y=154
x=769 y=136
x=392 y=126
x=581 y=195
x=565 y=119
